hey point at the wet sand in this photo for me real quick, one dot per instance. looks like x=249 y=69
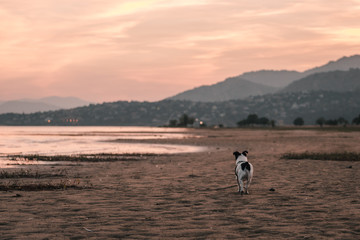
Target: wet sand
x=194 y=195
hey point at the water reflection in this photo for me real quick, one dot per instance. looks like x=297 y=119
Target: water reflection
x=81 y=140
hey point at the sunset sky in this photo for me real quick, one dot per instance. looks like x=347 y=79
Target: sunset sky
x=110 y=50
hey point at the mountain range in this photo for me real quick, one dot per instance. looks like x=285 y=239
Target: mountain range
x=41 y=105
x=271 y=81
x=330 y=76
x=231 y=88
x=331 y=91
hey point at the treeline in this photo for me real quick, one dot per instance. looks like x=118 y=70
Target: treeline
x=253 y=120
x=299 y=121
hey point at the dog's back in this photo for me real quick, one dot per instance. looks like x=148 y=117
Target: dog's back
x=244 y=170
x=246 y=166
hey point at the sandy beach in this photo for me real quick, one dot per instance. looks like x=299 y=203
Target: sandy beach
x=194 y=195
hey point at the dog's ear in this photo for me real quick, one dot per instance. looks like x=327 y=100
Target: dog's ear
x=245 y=153
x=236 y=154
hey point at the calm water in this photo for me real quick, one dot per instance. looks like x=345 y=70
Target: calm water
x=83 y=140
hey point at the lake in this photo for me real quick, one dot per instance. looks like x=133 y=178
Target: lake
x=90 y=140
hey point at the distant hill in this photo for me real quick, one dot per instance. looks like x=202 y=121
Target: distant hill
x=283 y=78
x=41 y=105
x=343 y=64
x=260 y=82
x=273 y=78
x=231 y=88
x=25 y=107
x=338 y=81
x=65 y=102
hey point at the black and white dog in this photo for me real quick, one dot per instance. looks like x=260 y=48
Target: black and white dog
x=243 y=171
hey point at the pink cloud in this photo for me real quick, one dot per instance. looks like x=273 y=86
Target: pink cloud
x=106 y=50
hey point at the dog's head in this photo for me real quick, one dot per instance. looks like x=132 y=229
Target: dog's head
x=236 y=154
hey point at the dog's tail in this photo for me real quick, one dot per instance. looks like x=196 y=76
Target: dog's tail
x=245 y=165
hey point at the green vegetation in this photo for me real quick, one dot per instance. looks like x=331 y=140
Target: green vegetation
x=334 y=156
x=331 y=122
x=254 y=120
x=320 y=121
x=183 y=121
x=356 y=120
x=299 y=121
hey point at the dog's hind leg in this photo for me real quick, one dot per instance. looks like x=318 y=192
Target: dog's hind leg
x=238 y=182
x=241 y=186
x=247 y=186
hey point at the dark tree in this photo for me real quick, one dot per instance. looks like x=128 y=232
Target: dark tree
x=320 y=121
x=299 y=121
x=272 y=122
x=356 y=120
x=252 y=119
x=263 y=121
x=342 y=121
x=185 y=120
x=332 y=122
x=173 y=123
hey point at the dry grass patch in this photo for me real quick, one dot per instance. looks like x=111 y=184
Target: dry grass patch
x=82 y=157
x=332 y=156
x=29 y=180
x=27 y=173
x=63 y=184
